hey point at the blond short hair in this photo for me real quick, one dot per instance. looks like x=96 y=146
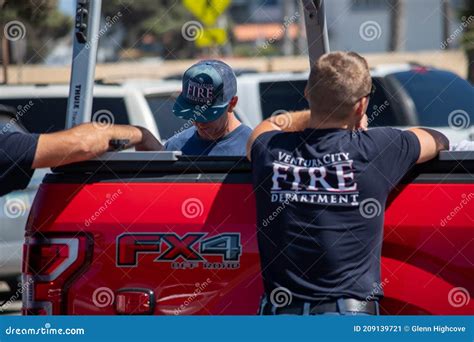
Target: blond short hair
x=336 y=82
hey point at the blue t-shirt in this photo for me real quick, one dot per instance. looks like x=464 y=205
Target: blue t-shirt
x=17 y=153
x=190 y=143
x=320 y=207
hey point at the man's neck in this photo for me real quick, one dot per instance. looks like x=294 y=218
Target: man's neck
x=316 y=123
x=231 y=124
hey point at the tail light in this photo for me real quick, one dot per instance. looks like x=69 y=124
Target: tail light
x=49 y=264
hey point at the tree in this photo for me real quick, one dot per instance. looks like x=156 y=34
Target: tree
x=40 y=22
x=397 y=27
x=467 y=20
x=163 y=19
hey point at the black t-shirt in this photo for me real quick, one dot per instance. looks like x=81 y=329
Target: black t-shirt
x=17 y=152
x=320 y=206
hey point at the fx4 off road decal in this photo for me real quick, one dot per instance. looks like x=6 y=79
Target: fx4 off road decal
x=190 y=251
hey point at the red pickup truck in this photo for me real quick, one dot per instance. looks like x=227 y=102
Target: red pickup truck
x=163 y=234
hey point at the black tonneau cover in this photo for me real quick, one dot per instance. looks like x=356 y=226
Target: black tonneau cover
x=450 y=167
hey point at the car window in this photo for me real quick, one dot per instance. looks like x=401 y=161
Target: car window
x=289 y=96
x=162 y=108
x=282 y=96
x=380 y=111
x=9 y=125
x=436 y=94
x=45 y=115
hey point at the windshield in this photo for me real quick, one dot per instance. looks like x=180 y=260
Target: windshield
x=380 y=110
x=46 y=115
x=162 y=108
x=279 y=96
x=436 y=94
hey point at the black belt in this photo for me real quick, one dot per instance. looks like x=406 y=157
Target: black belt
x=350 y=305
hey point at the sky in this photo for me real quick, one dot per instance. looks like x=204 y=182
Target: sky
x=67 y=6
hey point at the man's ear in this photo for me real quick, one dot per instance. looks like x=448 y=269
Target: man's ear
x=361 y=107
x=306 y=93
x=233 y=103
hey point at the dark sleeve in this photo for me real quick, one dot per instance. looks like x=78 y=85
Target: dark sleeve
x=260 y=145
x=17 y=153
x=396 y=152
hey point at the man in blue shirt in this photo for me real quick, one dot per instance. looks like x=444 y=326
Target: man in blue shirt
x=319 y=179
x=22 y=153
x=208 y=100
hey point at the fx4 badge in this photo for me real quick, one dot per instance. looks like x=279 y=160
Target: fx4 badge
x=192 y=250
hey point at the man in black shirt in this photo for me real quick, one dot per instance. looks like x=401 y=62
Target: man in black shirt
x=21 y=153
x=317 y=176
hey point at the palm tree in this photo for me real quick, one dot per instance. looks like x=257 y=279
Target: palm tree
x=397 y=25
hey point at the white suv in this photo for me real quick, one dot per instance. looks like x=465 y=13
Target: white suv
x=42 y=109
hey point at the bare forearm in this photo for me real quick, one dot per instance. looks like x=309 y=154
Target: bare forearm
x=291 y=122
x=139 y=137
x=77 y=144
x=86 y=142
x=288 y=122
x=431 y=143
x=58 y=149
x=133 y=134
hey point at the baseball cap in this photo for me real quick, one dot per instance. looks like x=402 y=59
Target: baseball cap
x=208 y=88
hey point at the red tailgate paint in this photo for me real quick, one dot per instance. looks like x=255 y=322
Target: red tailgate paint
x=422 y=261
